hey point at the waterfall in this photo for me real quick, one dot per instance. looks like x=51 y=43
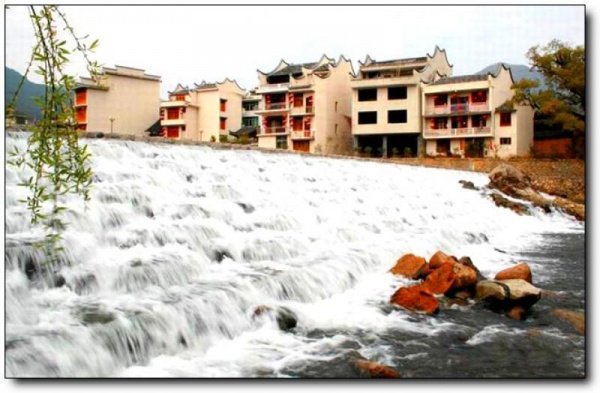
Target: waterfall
x=164 y=268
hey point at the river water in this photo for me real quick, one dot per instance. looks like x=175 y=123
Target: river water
x=163 y=271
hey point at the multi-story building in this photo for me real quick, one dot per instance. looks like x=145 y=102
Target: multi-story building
x=306 y=107
x=207 y=112
x=251 y=120
x=386 y=102
x=472 y=115
x=125 y=101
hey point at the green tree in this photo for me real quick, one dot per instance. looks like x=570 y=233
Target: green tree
x=59 y=164
x=562 y=103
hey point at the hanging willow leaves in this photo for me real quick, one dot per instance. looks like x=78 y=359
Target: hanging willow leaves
x=60 y=164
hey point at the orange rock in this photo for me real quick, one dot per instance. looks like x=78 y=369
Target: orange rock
x=464 y=276
x=416 y=298
x=438 y=259
x=376 y=370
x=409 y=266
x=517 y=313
x=425 y=271
x=577 y=319
x=521 y=271
x=441 y=279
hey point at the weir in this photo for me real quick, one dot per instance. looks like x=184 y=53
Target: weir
x=166 y=265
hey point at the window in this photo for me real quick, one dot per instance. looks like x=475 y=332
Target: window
x=180 y=97
x=440 y=123
x=395 y=117
x=479 y=121
x=367 y=117
x=223 y=105
x=81 y=114
x=281 y=142
x=223 y=123
x=298 y=100
x=250 y=121
x=172 y=132
x=505 y=141
x=81 y=97
x=172 y=113
x=479 y=96
x=440 y=100
x=297 y=123
x=459 y=122
x=367 y=95
x=505 y=119
x=397 y=93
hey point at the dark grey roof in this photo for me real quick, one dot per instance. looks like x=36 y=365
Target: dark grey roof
x=293 y=69
x=409 y=60
x=460 y=79
x=245 y=130
x=205 y=85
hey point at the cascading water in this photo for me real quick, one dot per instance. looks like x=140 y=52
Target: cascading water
x=164 y=270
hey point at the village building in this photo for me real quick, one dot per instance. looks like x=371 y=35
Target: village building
x=125 y=101
x=306 y=107
x=386 y=103
x=472 y=115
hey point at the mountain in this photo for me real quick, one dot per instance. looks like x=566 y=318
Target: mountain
x=25 y=103
x=519 y=72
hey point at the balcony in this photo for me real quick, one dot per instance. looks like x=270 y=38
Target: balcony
x=303 y=134
x=172 y=122
x=273 y=88
x=274 y=107
x=280 y=130
x=173 y=104
x=251 y=111
x=302 y=110
x=452 y=109
x=457 y=132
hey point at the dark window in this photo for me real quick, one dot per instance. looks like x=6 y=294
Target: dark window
x=505 y=119
x=397 y=116
x=440 y=100
x=479 y=121
x=367 y=95
x=397 y=93
x=505 y=141
x=281 y=142
x=367 y=117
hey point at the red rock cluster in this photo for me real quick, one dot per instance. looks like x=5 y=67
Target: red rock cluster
x=444 y=276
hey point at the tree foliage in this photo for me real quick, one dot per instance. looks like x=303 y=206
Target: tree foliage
x=562 y=103
x=58 y=162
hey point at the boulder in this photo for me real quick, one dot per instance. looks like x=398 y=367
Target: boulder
x=416 y=298
x=575 y=318
x=441 y=279
x=521 y=271
x=466 y=261
x=375 y=370
x=438 y=259
x=286 y=319
x=506 y=178
x=468 y=185
x=517 y=313
x=464 y=277
x=425 y=272
x=506 y=294
x=409 y=266
x=519 y=208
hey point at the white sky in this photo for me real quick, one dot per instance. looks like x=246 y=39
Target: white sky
x=189 y=44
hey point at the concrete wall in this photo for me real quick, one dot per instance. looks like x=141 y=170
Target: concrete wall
x=209 y=113
x=524 y=133
x=268 y=142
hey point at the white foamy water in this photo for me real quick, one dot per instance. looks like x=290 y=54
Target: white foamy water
x=166 y=265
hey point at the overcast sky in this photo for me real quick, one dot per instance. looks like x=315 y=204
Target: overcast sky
x=189 y=44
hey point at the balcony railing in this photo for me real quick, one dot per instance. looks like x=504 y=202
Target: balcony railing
x=457 y=108
x=303 y=134
x=273 y=130
x=250 y=111
x=272 y=88
x=302 y=110
x=457 y=132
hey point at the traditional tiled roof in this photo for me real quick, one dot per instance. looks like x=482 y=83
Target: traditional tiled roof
x=406 y=61
x=293 y=69
x=205 y=85
x=507 y=106
x=460 y=79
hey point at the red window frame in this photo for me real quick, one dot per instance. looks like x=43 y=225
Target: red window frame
x=505 y=119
